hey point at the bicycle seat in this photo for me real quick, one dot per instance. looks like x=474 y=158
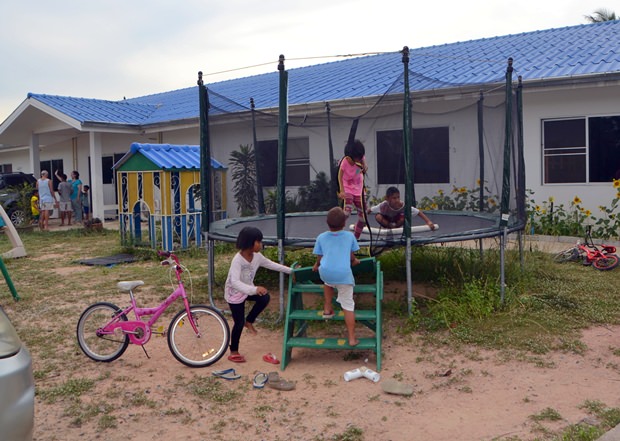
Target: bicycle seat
x=129 y=285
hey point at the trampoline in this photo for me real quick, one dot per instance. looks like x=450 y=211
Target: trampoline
x=462 y=165
x=301 y=229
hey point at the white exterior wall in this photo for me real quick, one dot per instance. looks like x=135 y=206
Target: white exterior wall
x=545 y=104
x=539 y=103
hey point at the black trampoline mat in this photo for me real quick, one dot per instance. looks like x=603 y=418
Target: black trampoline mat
x=302 y=228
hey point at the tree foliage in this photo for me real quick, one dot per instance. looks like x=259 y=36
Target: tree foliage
x=243 y=167
x=601 y=15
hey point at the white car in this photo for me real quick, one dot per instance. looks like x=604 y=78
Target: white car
x=16 y=385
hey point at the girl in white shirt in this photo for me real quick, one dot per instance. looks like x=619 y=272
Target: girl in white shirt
x=240 y=286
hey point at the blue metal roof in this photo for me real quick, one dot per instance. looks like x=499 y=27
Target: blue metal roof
x=554 y=53
x=94 y=110
x=169 y=156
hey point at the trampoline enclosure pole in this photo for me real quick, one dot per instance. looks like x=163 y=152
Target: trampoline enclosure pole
x=205 y=180
x=505 y=206
x=281 y=178
x=259 y=181
x=333 y=173
x=282 y=146
x=408 y=176
x=205 y=156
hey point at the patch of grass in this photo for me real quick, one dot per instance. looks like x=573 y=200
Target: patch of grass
x=352 y=433
x=81 y=413
x=610 y=416
x=70 y=389
x=547 y=414
x=208 y=388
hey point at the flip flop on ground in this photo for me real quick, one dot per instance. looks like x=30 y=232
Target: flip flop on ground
x=260 y=380
x=275 y=382
x=226 y=374
x=271 y=358
x=236 y=358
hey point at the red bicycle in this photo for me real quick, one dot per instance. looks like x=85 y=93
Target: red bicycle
x=603 y=258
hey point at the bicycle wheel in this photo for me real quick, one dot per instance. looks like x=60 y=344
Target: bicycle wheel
x=203 y=350
x=608 y=262
x=101 y=347
x=570 y=255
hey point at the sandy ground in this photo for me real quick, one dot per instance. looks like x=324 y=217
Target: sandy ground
x=469 y=395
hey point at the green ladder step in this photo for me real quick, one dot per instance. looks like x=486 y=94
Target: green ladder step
x=330 y=343
x=315 y=287
x=298 y=318
x=311 y=314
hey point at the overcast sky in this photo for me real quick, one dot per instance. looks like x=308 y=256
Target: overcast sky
x=127 y=48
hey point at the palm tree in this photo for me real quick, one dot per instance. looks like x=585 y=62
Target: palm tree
x=244 y=179
x=601 y=15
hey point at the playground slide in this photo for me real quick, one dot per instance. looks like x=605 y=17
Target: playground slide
x=18 y=249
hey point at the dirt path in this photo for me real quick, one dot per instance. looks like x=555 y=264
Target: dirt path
x=470 y=395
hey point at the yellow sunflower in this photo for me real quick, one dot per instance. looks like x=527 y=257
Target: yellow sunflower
x=576 y=200
x=551 y=199
x=616 y=183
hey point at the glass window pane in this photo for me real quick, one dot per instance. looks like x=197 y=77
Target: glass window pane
x=431 y=155
x=561 y=169
x=390 y=157
x=564 y=133
x=604 y=140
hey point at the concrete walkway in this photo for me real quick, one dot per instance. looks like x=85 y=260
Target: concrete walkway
x=612 y=435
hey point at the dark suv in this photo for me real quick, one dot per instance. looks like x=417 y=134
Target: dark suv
x=10 y=184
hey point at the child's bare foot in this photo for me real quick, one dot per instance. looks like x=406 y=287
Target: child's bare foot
x=250 y=327
x=354 y=342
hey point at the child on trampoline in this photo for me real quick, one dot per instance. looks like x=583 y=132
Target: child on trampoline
x=351 y=182
x=240 y=286
x=391 y=212
x=335 y=257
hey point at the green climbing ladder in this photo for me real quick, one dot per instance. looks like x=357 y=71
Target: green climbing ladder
x=304 y=281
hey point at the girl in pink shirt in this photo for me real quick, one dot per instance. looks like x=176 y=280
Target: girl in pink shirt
x=351 y=181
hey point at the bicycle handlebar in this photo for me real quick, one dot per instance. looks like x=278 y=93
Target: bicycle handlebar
x=171 y=258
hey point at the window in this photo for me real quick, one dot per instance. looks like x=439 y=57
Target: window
x=431 y=156
x=51 y=166
x=106 y=167
x=6 y=168
x=297 y=162
x=581 y=149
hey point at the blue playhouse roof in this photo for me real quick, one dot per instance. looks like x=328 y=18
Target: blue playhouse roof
x=571 y=51
x=169 y=156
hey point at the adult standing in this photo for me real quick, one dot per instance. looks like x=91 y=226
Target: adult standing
x=46 y=199
x=76 y=203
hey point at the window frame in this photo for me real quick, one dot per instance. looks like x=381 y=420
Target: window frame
x=577 y=155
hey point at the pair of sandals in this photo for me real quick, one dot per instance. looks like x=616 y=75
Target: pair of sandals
x=273 y=381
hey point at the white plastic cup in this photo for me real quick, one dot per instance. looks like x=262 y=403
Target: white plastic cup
x=353 y=374
x=370 y=374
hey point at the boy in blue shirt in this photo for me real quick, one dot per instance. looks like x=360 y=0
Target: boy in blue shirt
x=335 y=256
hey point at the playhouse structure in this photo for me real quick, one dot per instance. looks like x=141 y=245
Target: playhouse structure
x=159 y=200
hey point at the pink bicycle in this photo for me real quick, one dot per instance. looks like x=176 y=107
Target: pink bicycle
x=198 y=335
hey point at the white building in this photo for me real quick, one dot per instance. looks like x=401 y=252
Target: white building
x=571 y=118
